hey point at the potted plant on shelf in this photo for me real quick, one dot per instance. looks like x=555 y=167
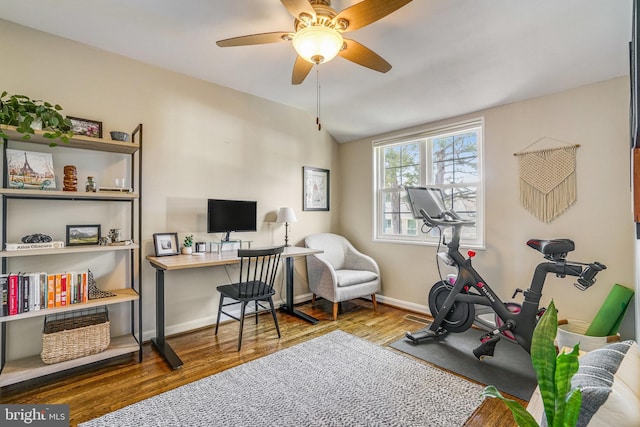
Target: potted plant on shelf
x=27 y=115
x=554 y=372
x=187 y=248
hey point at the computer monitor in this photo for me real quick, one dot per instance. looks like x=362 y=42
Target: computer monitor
x=225 y=216
x=430 y=199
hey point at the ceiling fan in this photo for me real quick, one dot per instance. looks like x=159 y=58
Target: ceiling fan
x=318 y=33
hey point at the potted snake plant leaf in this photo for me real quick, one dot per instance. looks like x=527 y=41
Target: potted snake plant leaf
x=554 y=372
x=27 y=115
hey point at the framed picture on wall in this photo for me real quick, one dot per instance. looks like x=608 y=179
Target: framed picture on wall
x=166 y=244
x=315 y=189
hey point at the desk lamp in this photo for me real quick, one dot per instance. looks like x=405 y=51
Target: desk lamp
x=286 y=215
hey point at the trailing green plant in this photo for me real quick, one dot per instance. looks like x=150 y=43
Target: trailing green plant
x=188 y=241
x=22 y=112
x=554 y=372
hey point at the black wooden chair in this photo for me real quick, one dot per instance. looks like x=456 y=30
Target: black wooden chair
x=258 y=268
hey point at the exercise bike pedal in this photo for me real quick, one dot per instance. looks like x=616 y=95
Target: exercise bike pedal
x=487 y=348
x=425 y=333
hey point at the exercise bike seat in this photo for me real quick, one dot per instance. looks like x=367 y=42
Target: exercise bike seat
x=552 y=247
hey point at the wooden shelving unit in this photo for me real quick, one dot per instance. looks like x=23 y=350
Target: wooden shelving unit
x=14 y=371
x=28 y=368
x=78 y=141
x=122 y=295
x=17 y=193
x=67 y=250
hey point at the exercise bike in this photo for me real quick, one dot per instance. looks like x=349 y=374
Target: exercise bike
x=453 y=305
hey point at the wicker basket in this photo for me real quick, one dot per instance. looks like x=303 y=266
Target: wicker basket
x=75 y=334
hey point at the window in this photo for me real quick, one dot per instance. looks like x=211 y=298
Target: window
x=448 y=158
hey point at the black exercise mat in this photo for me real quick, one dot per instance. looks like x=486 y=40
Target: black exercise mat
x=510 y=369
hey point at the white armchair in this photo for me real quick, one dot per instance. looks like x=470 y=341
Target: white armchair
x=341 y=272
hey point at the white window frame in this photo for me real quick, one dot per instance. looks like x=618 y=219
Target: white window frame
x=431 y=238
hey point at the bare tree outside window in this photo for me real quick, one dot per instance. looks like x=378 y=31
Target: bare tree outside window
x=449 y=160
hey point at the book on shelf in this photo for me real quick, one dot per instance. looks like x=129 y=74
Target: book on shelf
x=115 y=189
x=4 y=295
x=63 y=289
x=13 y=294
x=25 y=284
x=51 y=290
x=25 y=292
x=56 y=244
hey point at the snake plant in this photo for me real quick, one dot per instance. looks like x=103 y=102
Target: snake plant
x=554 y=373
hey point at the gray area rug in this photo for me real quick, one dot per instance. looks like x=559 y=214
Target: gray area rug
x=510 y=370
x=333 y=380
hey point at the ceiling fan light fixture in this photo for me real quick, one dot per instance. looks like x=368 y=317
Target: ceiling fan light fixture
x=317 y=44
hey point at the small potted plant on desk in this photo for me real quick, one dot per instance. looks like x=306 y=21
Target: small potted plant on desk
x=187 y=247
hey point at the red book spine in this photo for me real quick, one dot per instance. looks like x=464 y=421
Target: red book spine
x=13 y=294
x=63 y=289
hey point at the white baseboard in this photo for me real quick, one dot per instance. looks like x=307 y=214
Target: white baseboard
x=418 y=308
x=211 y=320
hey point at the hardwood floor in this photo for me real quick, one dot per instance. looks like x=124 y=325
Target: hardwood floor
x=107 y=387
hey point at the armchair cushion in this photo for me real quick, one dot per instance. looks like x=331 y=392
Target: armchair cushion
x=353 y=277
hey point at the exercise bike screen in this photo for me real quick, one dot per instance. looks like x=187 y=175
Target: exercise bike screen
x=429 y=199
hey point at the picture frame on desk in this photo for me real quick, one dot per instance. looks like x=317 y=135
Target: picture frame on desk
x=166 y=244
x=79 y=235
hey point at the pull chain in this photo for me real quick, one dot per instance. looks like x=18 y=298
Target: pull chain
x=318 y=98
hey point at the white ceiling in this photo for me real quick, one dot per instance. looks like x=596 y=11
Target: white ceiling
x=449 y=57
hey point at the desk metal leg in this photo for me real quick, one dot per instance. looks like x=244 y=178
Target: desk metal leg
x=159 y=341
x=287 y=307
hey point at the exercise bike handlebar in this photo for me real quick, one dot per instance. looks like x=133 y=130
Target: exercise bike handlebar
x=449 y=219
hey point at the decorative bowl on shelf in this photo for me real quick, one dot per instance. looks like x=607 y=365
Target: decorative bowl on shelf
x=119 y=136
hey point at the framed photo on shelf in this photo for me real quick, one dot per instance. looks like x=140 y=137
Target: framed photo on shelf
x=78 y=235
x=166 y=244
x=30 y=170
x=86 y=127
x=315 y=189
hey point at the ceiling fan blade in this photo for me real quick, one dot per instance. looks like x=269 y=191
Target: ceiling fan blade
x=361 y=55
x=255 y=39
x=368 y=11
x=298 y=7
x=300 y=70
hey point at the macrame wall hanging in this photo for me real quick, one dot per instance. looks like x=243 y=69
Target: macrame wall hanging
x=547 y=179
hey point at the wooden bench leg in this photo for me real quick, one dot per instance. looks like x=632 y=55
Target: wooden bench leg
x=375 y=303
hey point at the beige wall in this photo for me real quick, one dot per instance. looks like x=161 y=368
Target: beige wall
x=600 y=222
x=203 y=140
x=200 y=141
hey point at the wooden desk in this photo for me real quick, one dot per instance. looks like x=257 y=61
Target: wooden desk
x=212 y=259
